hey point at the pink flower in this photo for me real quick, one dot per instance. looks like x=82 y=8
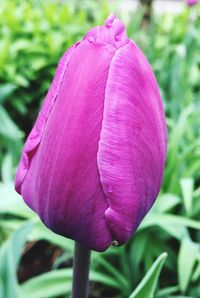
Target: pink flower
x=191 y=2
x=93 y=163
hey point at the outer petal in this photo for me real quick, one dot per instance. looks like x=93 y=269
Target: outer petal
x=62 y=184
x=132 y=147
x=35 y=136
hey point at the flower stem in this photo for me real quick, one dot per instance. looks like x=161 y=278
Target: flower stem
x=81 y=268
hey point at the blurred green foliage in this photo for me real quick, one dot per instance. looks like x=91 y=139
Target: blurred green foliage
x=33 y=35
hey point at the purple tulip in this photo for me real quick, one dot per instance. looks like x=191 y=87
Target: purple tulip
x=191 y=2
x=93 y=163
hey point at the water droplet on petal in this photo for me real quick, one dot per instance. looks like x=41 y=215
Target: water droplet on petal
x=109 y=24
x=117 y=38
x=115 y=243
x=91 y=39
x=109 y=188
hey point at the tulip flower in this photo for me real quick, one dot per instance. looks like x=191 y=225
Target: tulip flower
x=93 y=163
x=191 y=2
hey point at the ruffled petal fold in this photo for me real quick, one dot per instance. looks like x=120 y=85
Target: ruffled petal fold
x=132 y=146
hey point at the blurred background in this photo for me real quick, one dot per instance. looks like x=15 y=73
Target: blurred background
x=36 y=263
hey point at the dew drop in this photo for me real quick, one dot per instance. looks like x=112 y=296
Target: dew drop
x=109 y=24
x=91 y=39
x=115 y=243
x=117 y=38
x=109 y=188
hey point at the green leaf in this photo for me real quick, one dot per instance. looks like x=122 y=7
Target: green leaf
x=196 y=274
x=113 y=272
x=10 y=255
x=178 y=296
x=104 y=279
x=187 y=187
x=167 y=291
x=7 y=169
x=154 y=219
x=5 y=91
x=1 y=288
x=58 y=282
x=8 y=128
x=10 y=225
x=51 y=284
x=186 y=260
x=166 y=202
x=13 y=203
x=147 y=286
x=176 y=231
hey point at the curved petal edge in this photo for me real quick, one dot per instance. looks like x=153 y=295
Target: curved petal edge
x=35 y=135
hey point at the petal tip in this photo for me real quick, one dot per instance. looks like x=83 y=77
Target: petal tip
x=110 y=19
x=113 y=32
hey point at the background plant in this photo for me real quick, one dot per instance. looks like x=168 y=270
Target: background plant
x=33 y=35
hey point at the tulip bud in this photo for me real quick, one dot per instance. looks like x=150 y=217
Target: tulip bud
x=93 y=163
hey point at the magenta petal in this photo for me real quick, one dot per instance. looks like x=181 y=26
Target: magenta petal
x=35 y=136
x=62 y=184
x=132 y=147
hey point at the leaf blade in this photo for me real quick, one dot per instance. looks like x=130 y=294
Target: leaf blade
x=147 y=286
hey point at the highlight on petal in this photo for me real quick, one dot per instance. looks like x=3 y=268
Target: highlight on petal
x=35 y=135
x=132 y=146
x=62 y=184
